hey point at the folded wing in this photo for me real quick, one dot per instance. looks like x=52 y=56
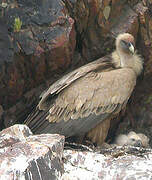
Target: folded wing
x=82 y=99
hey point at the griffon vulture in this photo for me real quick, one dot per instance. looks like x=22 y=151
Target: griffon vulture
x=85 y=100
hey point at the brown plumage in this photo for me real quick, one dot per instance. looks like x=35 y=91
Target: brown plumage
x=85 y=100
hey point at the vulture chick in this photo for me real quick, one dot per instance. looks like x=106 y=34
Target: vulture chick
x=133 y=139
x=84 y=101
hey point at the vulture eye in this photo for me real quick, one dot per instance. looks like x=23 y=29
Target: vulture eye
x=133 y=139
x=129 y=44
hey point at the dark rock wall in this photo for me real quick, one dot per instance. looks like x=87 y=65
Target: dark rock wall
x=44 y=44
x=58 y=33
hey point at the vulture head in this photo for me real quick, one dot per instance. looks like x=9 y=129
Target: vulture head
x=125 y=54
x=125 y=44
x=85 y=101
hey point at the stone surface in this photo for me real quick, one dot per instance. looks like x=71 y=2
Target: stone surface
x=23 y=156
x=121 y=165
x=14 y=134
x=44 y=44
x=41 y=157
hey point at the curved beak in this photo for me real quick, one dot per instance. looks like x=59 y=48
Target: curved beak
x=138 y=143
x=131 y=48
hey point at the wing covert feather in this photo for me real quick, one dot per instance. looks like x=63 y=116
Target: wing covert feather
x=94 y=93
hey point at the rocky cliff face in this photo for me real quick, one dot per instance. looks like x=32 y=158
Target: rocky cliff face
x=43 y=44
x=57 y=36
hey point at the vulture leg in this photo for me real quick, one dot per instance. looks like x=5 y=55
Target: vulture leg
x=99 y=133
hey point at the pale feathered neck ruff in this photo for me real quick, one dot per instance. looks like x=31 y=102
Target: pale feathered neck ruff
x=133 y=61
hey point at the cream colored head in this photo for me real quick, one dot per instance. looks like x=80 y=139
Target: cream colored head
x=134 y=139
x=125 y=43
x=125 y=55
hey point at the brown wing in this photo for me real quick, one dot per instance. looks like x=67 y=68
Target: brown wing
x=96 y=92
x=65 y=81
x=85 y=102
